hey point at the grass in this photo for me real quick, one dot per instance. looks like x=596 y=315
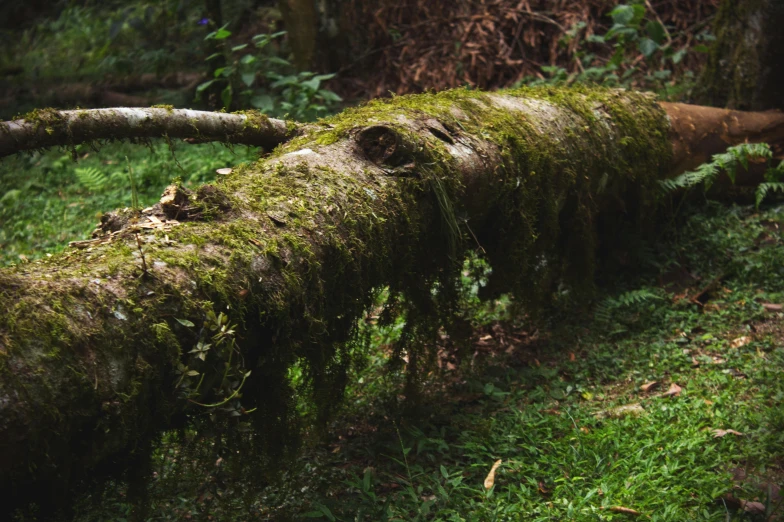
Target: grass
x=47 y=199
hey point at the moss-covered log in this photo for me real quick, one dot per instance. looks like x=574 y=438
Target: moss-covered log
x=168 y=309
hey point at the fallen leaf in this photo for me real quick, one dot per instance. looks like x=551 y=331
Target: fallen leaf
x=740 y=342
x=224 y=171
x=717 y=433
x=625 y=510
x=757 y=508
x=772 y=307
x=674 y=391
x=572 y=357
x=490 y=479
x=648 y=386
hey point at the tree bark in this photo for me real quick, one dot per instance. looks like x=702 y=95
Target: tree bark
x=302 y=26
x=744 y=69
x=103 y=347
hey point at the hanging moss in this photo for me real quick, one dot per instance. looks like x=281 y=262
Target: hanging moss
x=395 y=193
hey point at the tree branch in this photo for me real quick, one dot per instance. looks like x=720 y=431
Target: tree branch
x=49 y=128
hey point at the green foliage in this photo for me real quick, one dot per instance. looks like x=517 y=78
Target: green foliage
x=257 y=76
x=606 y=309
x=764 y=188
x=110 y=37
x=729 y=162
x=93 y=179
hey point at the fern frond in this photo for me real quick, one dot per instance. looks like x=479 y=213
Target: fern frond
x=605 y=310
x=92 y=179
x=727 y=161
x=635 y=297
x=764 y=188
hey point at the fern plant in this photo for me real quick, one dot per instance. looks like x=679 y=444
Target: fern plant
x=608 y=308
x=92 y=179
x=764 y=188
x=774 y=181
x=727 y=162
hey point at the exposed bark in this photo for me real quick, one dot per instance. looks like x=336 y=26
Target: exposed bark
x=744 y=69
x=393 y=194
x=49 y=128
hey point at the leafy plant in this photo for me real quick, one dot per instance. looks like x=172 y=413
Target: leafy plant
x=608 y=307
x=258 y=77
x=738 y=156
x=92 y=179
x=729 y=161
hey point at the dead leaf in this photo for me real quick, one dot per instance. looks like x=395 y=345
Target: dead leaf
x=572 y=357
x=772 y=307
x=224 y=171
x=625 y=510
x=674 y=391
x=717 y=433
x=649 y=386
x=757 y=508
x=740 y=342
x=490 y=479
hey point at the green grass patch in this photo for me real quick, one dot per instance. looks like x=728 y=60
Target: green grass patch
x=48 y=199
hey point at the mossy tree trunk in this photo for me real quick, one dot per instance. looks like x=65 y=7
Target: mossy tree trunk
x=745 y=70
x=163 y=314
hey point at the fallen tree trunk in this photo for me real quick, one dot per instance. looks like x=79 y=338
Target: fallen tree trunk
x=169 y=308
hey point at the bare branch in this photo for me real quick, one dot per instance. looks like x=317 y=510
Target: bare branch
x=50 y=128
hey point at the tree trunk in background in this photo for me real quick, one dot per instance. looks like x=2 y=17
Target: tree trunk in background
x=103 y=347
x=315 y=35
x=746 y=66
x=302 y=27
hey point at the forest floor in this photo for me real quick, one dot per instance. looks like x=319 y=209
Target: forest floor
x=660 y=399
